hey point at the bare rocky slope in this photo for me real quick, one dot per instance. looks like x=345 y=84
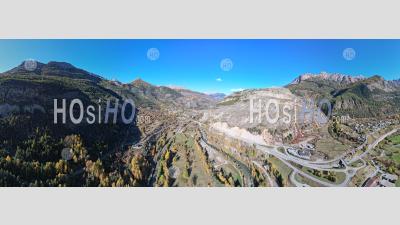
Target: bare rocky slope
x=355 y=96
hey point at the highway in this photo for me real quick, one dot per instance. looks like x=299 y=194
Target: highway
x=271 y=182
x=323 y=166
x=295 y=182
x=373 y=145
x=247 y=180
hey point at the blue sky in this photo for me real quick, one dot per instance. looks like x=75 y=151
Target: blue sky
x=195 y=64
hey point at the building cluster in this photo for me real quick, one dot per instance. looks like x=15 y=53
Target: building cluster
x=304 y=151
x=372 y=126
x=384 y=180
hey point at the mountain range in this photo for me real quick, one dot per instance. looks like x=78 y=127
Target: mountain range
x=29 y=138
x=60 y=69
x=27 y=96
x=355 y=96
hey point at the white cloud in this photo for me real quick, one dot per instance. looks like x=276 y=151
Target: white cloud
x=219 y=79
x=236 y=89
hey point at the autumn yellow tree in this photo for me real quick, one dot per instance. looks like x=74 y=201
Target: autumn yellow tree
x=78 y=150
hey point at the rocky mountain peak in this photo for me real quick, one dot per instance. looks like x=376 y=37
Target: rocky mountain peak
x=336 y=77
x=53 y=68
x=217 y=96
x=141 y=83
